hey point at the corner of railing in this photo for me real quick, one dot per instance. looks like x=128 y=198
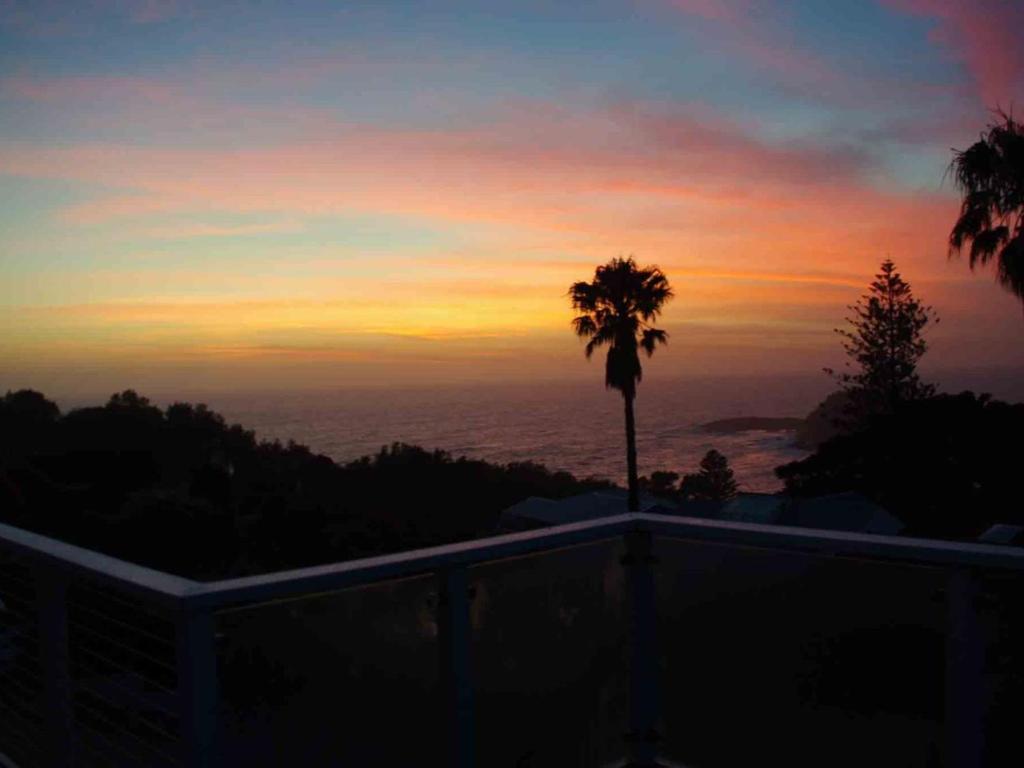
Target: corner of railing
x=57 y=567
x=49 y=555
x=197 y=691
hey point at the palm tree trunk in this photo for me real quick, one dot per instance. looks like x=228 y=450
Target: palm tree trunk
x=634 y=494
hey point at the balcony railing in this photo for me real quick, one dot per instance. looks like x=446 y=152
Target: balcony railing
x=635 y=639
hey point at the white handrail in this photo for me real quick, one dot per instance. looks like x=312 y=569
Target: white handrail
x=49 y=552
x=195 y=603
x=296 y=582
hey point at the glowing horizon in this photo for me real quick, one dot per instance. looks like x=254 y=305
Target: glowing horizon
x=371 y=192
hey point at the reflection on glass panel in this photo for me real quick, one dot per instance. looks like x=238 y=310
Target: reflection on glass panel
x=347 y=678
x=549 y=658
x=785 y=659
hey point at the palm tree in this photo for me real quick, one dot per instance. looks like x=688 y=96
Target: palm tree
x=990 y=176
x=616 y=309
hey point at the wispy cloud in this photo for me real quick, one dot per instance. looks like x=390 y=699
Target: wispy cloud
x=88 y=89
x=188 y=231
x=60 y=18
x=763 y=36
x=719 y=10
x=986 y=36
x=653 y=179
x=539 y=164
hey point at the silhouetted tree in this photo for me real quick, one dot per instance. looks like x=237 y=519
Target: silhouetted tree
x=660 y=483
x=129 y=400
x=884 y=344
x=714 y=482
x=26 y=416
x=990 y=177
x=30 y=406
x=27 y=423
x=616 y=309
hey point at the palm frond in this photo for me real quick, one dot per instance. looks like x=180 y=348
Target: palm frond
x=585 y=326
x=604 y=334
x=583 y=296
x=987 y=242
x=975 y=217
x=651 y=338
x=990 y=176
x=1010 y=269
x=614 y=311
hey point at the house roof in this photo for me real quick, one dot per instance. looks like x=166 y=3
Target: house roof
x=1001 y=533
x=535 y=511
x=837 y=512
x=764 y=508
x=841 y=512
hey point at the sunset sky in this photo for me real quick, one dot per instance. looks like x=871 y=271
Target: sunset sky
x=257 y=194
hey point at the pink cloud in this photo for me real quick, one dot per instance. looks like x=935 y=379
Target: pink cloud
x=90 y=88
x=688 y=188
x=61 y=18
x=747 y=29
x=985 y=35
x=711 y=145
x=149 y=11
x=757 y=34
x=546 y=167
x=718 y=10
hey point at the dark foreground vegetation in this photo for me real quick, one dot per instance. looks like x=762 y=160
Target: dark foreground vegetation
x=181 y=490
x=946 y=465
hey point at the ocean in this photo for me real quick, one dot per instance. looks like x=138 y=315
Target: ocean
x=575 y=426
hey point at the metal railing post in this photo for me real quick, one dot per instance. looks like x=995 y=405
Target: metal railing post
x=455 y=679
x=51 y=596
x=197 y=686
x=642 y=737
x=965 y=670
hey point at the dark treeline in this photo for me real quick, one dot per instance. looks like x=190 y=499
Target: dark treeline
x=181 y=490
x=945 y=464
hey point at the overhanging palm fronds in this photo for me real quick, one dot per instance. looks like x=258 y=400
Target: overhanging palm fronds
x=990 y=176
